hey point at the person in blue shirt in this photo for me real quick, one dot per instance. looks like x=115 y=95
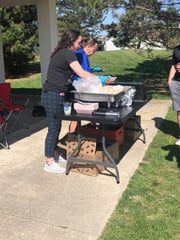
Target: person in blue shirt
x=89 y=46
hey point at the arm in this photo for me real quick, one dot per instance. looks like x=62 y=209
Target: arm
x=175 y=60
x=171 y=74
x=76 y=67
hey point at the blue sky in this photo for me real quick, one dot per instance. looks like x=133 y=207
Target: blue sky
x=109 y=19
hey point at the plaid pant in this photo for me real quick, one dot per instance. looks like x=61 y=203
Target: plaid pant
x=53 y=104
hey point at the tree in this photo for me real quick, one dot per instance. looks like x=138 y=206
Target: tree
x=152 y=22
x=20 y=32
x=19 y=35
x=82 y=15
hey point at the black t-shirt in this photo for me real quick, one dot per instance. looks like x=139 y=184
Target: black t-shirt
x=175 y=60
x=59 y=71
x=176 y=55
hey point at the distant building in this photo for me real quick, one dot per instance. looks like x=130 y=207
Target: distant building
x=109 y=45
x=158 y=46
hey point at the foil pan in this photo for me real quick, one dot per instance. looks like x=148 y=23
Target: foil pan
x=100 y=97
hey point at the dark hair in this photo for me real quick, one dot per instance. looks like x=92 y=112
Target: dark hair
x=67 y=40
x=89 y=41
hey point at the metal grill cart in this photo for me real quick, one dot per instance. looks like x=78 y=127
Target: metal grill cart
x=111 y=114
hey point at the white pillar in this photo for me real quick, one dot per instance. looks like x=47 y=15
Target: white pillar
x=48 y=38
x=2 y=72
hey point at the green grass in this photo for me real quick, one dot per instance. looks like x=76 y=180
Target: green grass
x=28 y=85
x=137 y=66
x=130 y=64
x=149 y=207
x=151 y=68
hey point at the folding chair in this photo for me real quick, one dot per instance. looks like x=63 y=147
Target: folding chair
x=7 y=102
x=4 y=118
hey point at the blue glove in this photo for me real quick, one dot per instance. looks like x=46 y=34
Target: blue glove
x=103 y=79
x=97 y=69
x=76 y=78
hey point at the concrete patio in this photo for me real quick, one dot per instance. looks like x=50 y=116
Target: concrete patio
x=36 y=205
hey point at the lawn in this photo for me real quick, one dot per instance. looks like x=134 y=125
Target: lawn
x=149 y=207
x=151 y=68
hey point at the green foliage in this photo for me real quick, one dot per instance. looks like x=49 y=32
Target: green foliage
x=29 y=85
x=81 y=15
x=19 y=35
x=149 y=67
x=143 y=21
x=149 y=208
x=149 y=22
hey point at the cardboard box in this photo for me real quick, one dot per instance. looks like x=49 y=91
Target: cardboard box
x=132 y=135
x=111 y=133
x=131 y=128
x=92 y=151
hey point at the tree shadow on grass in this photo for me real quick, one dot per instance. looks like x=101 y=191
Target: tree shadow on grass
x=26 y=91
x=32 y=68
x=173 y=153
x=166 y=126
x=170 y=128
x=152 y=72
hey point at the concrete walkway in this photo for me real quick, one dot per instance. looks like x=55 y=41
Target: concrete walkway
x=36 y=205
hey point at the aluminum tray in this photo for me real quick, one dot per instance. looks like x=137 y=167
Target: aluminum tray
x=99 y=97
x=110 y=99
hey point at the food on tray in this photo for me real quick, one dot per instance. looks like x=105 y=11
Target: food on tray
x=111 y=89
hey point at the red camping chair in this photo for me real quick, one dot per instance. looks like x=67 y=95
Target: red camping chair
x=7 y=102
x=4 y=118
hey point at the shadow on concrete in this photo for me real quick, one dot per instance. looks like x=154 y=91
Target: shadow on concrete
x=37 y=123
x=34 y=124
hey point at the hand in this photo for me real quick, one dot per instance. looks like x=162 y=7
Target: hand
x=97 y=69
x=103 y=79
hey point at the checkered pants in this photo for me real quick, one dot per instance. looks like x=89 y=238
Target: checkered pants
x=53 y=104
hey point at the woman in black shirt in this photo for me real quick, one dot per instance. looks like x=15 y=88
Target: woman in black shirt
x=62 y=64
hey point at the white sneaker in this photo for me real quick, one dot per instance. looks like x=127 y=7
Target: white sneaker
x=178 y=142
x=61 y=159
x=54 y=167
